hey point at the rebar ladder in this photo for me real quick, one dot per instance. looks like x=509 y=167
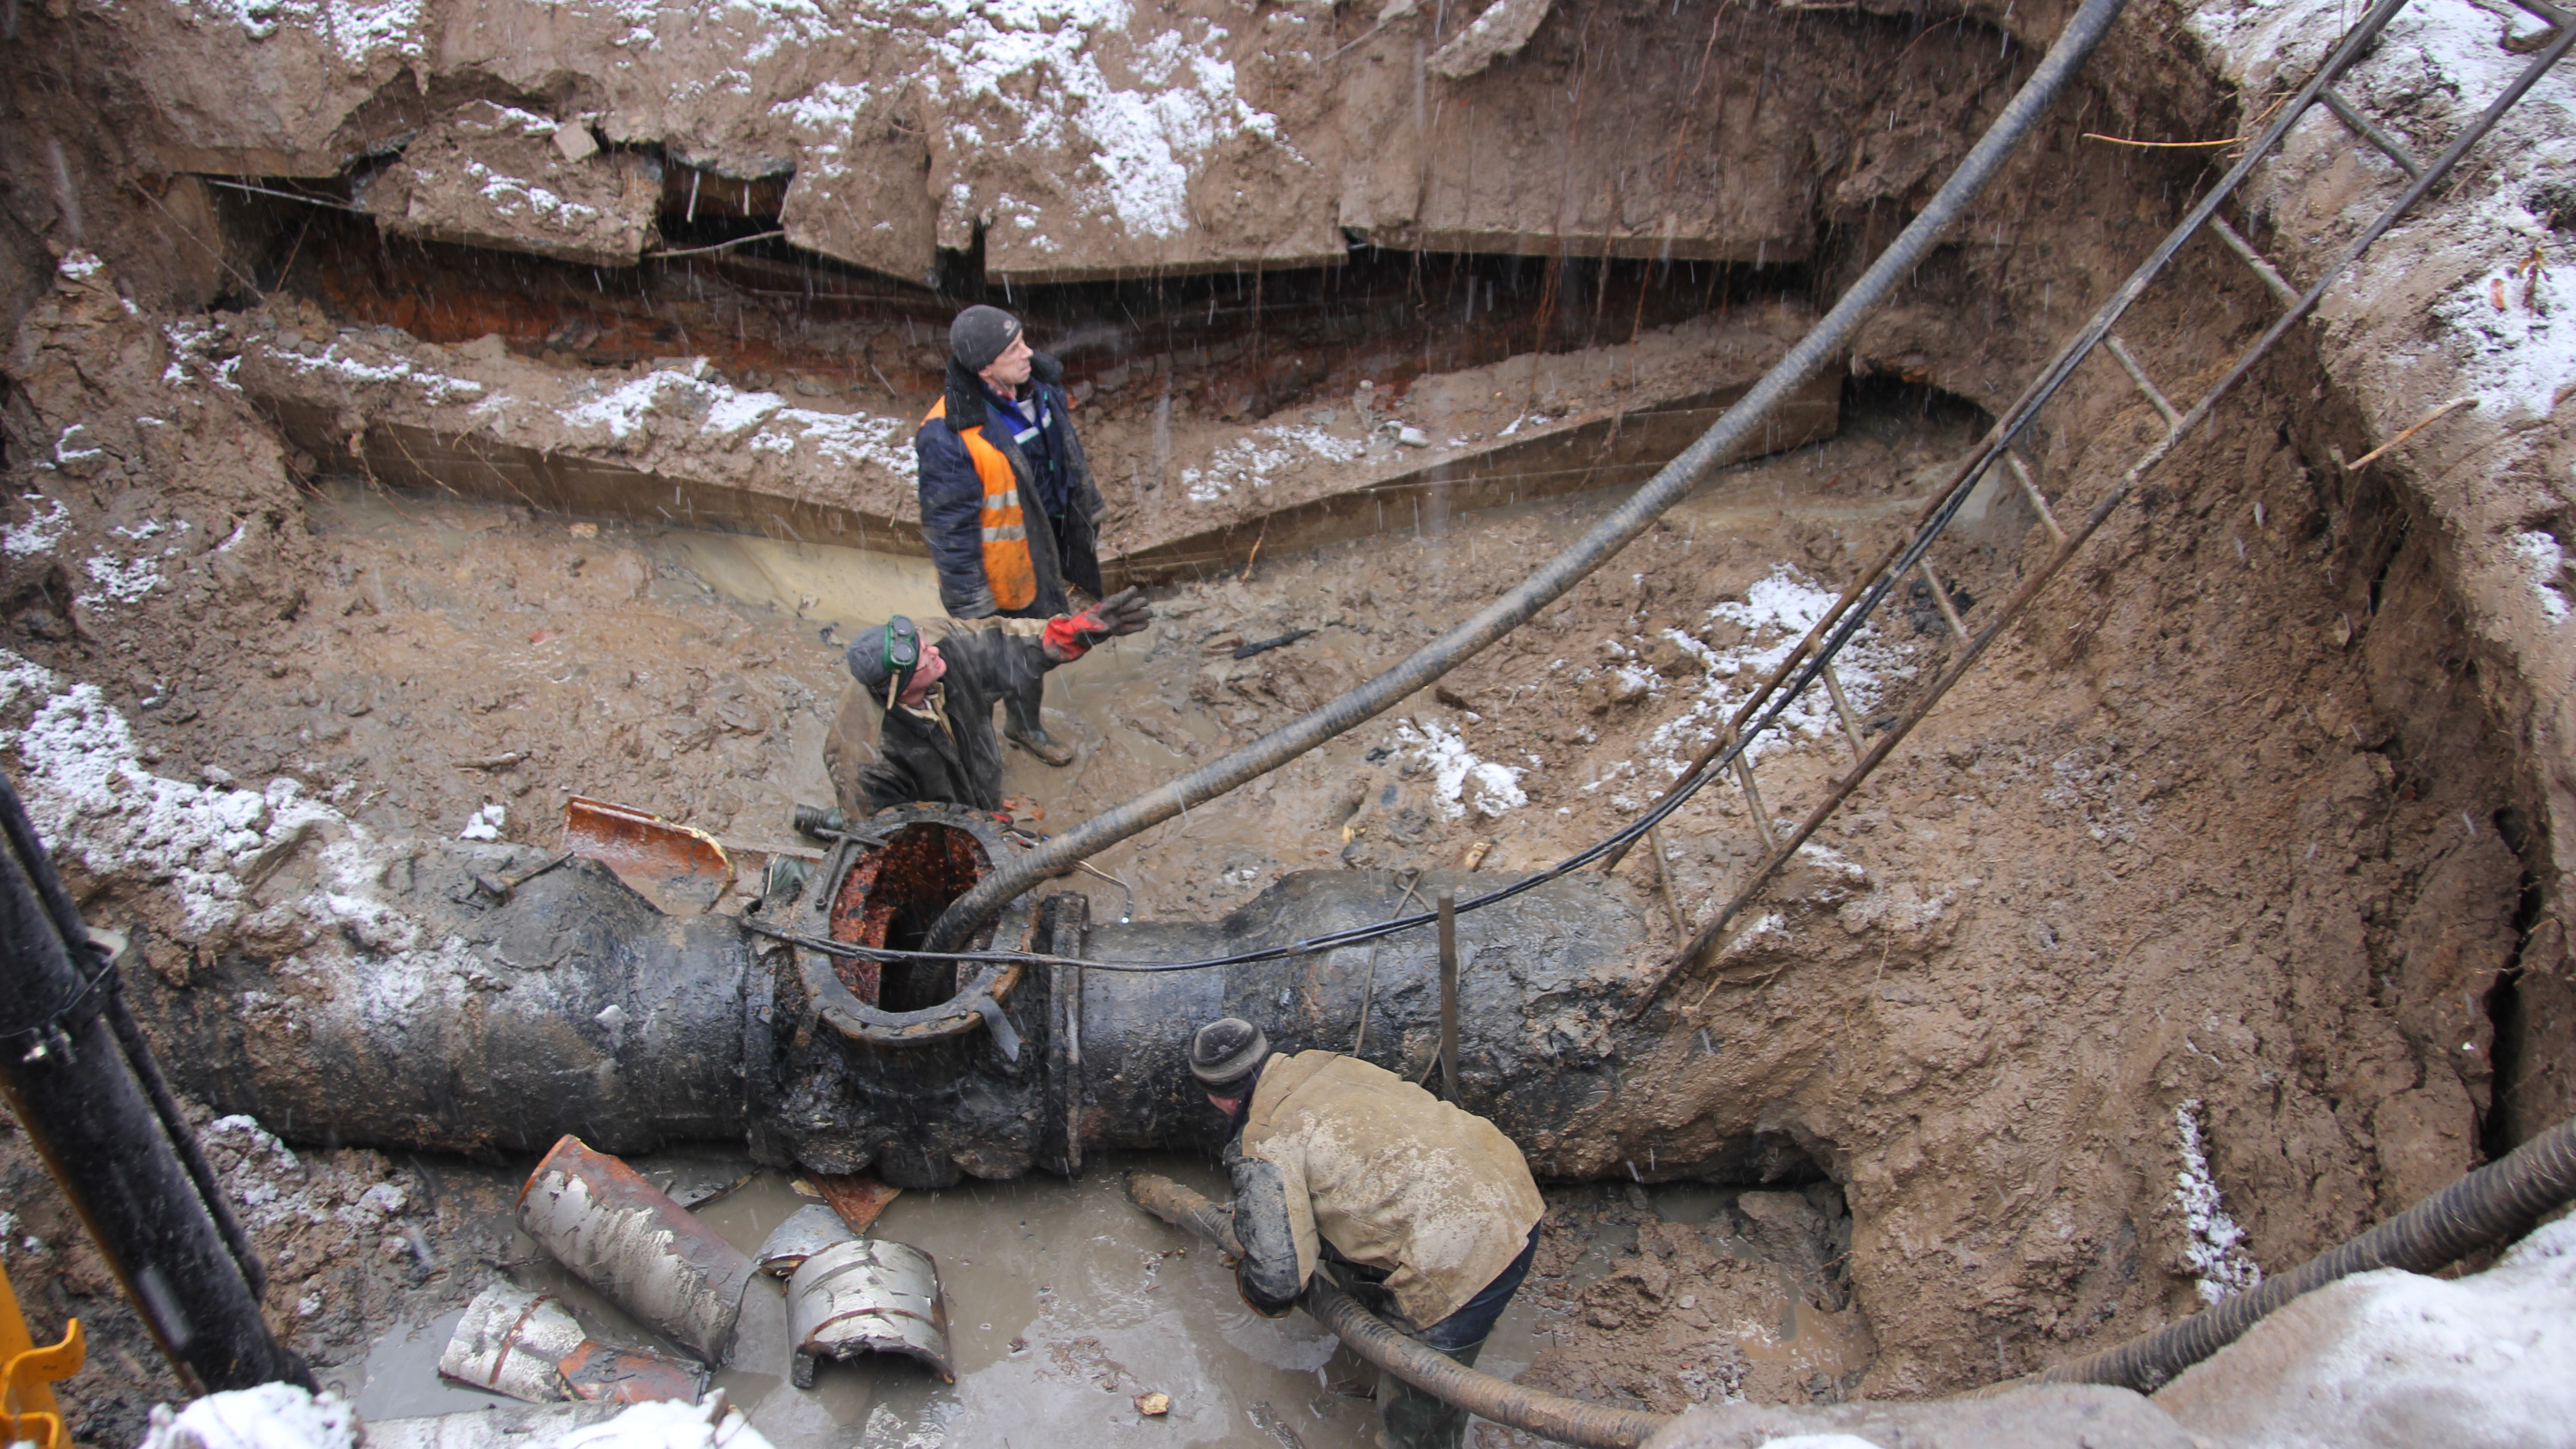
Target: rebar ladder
x=1813 y=657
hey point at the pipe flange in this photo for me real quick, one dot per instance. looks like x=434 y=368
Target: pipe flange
x=980 y=1003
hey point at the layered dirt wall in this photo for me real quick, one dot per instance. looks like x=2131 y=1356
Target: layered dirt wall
x=1062 y=141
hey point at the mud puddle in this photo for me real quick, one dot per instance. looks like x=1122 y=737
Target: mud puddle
x=1065 y=1302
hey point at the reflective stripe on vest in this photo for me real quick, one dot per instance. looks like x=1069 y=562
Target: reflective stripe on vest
x=1007 y=567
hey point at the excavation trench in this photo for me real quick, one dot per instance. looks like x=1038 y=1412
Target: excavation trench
x=577 y=1007
x=2227 y=861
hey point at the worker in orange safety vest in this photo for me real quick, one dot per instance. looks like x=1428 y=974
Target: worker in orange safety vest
x=1007 y=503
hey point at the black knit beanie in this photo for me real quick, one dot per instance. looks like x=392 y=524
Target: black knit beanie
x=981 y=334
x=1226 y=1053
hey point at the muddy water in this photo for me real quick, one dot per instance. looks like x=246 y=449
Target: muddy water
x=1065 y=1302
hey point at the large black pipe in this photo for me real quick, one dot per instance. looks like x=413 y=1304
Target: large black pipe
x=576 y=1007
x=79 y=1077
x=2075 y=44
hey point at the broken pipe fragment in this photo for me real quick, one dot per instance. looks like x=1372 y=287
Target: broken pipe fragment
x=807 y=1231
x=867 y=1297
x=645 y=1253
x=528 y=1346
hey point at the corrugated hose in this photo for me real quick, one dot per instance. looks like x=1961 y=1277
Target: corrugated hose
x=2498 y=1202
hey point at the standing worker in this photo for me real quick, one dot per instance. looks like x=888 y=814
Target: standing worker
x=1427 y=1213
x=917 y=723
x=1007 y=503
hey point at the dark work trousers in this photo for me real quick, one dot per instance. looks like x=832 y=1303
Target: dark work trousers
x=1411 y=1418
x=1022 y=700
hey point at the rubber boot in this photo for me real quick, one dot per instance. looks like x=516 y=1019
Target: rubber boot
x=1408 y=1418
x=1041 y=744
x=1023 y=726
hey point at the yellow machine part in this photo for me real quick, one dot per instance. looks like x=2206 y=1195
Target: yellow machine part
x=27 y=1375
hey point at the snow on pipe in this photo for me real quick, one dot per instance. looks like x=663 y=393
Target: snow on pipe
x=2495 y=1204
x=1551 y=1416
x=642 y=1251
x=1669 y=486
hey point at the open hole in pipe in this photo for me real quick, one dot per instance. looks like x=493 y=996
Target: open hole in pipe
x=891 y=895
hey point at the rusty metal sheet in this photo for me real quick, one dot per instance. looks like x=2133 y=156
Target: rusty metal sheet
x=857 y=1199
x=680 y=870
x=872 y=1296
x=602 y=1374
x=645 y=1253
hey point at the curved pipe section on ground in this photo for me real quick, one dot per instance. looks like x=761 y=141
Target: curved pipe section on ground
x=2064 y=59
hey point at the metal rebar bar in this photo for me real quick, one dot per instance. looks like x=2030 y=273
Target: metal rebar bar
x=1449 y=994
x=1753 y=802
x=1941 y=598
x=2120 y=352
x=2261 y=264
x=2038 y=503
x=1664 y=880
x=2362 y=126
x=1843 y=709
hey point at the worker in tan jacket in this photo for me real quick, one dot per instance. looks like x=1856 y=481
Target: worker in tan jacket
x=1427 y=1213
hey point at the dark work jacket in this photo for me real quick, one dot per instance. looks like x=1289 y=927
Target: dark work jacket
x=959 y=762
x=1066 y=550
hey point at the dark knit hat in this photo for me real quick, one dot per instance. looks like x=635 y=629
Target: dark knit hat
x=981 y=334
x=878 y=655
x=1225 y=1054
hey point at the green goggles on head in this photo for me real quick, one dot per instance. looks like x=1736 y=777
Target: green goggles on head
x=902 y=655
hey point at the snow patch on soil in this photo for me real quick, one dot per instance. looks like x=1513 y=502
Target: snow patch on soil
x=42 y=530
x=1776 y=612
x=2440 y=62
x=1141 y=143
x=2547 y=560
x=2217 y=1247
x=435 y=388
x=359 y=33
x=271 y=1416
x=1249 y=461
x=762 y=420
x=92 y=800
x=486 y=824
x=1460 y=778
x=2393 y=1357
x=274 y=1188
